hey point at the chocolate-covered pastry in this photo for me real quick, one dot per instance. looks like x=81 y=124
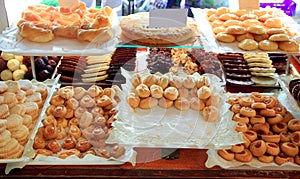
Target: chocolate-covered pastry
x=2 y=64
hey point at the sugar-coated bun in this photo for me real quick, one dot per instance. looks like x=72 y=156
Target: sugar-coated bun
x=244 y=36
x=273 y=23
x=182 y=104
x=148 y=103
x=257 y=29
x=133 y=100
x=171 y=93
x=156 y=91
x=248 y=44
x=143 y=91
x=165 y=103
x=267 y=45
x=204 y=92
x=235 y=30
x=224 y=37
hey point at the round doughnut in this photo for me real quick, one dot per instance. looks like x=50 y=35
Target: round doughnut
x=256 y=29
x=235 y=30
x=271 y=138
x=290 y=149
x=224 y=37
x=226 y=154
x=267 y=112
x=248 y=44
x=274 y=120
x=266 y=158
x=248 y=112
x=239 y=118
x=244 y=156
x=267 y=45
x=236 y=108
x=246 y=101
x=281 y=158
x=237 y=148
x=280 y=127
x=251 y=135
x=241 y=127
x=295 y=138
x=285 y=136
x=257 y=119
x=272 y=148
x=261 y=128
x=142 y=91
x=258 y=148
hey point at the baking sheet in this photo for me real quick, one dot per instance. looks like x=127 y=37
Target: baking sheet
x=214 y=159
x=211 y=44
x=172 y=128
x=12 y=42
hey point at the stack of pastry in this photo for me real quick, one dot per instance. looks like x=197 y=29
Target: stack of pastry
x=42 y=23
x=261 y=68
x=77 y=123
x=255 y=29
x=169 y=90
x=71 y=68
x=270 y=132
x=20 y=104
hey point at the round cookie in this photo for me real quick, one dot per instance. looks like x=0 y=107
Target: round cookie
x=248 y=44
x=267 y=45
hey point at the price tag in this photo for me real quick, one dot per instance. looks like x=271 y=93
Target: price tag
x=162 y=18
x=68 y=3
x=249 y=4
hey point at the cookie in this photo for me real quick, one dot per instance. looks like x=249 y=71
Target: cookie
x=94 y=79
x=265 y=70
x=25 y=84
x=97 y=69
x=19 y=109
x=260 y=65
x=14 y=122
x=5 y=138
x=3 y=87
x=264 y=81
x=13 y=86
x=259 y=60
x=263 y=74
x=4 y=111
x=88 y=75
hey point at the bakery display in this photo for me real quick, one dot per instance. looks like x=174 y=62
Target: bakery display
x=135 y=29
x=251 y=31
x=42 y=23
x=269 y=132
x=77 y=122
x=21 y=104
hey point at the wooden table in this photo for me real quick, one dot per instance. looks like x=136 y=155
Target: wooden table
x=190 y=164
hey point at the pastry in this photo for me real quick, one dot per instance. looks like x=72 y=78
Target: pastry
x=256 y=29
x=279 y=37
x=210 y=113
x=204 y=92
x=272 y=148
x=274 y=120
x=281 y=158
x=257 y=119
x=289 y=46
x=54 y=146
x=104 y=101
x=248 y=44
x=261 y=128
x=226 y=154
x=156 y=91
x=83 y=145
x=182 y=104
x=244 y=156
x=50 y=132
x=273 y=23
x=165 y=103
x=171 y=93
x=6 y=75
x=267 y=45
x=117 y=150
x=143 y=91
x=85 y=120
x=290 y=149
x=240 y=118
x=74 y=131
x=248 y=112
x=237 y=148
x=197 y=104
x=295 y=138
x=224 y=37
x=133 y=100
x=39 y=143
x=242 y=37
x=148 y=103
x=87 y=101
x=69 y=142
x=280 y=127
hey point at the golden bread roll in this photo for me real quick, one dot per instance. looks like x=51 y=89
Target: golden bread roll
x=150 y=80
x=222 y=10
x=228 y=16
x=171 y=93
x=182 y=104
x=273 y=31
x=133 y=100
x=248 y=44
x=273 y=23
x=143 y=91
x=213 y=18
x=259 y=12
x=265 y=17
x=148 y=103
x=210 y=113
x=250 y=22
x=210 y=12
x=219 y=29
x=156 y=91
x=279 y=37
x=34 y=33
x=235 y=30
x=290 y=46
x=204 y=92
x=165 y=103
x=232 y=22
x=224 y=37
x=257 y=29
x=260 y=37
x=267 y=45
x=244 y=36
x=217 y=23
x=240 y=12
x=248 y=16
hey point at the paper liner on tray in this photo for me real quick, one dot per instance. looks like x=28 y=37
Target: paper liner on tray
x=214 y=159
x=172 y=128
x=12 y=42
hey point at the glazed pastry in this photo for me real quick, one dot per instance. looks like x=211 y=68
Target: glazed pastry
x=165 y=103
x=59 y=111
x=235 y=108
x=102 y=152
x=70 y=113
x=61 y=132
x=271 y=138
x=85 y=120
x=266 y=158
x=94 y=91
x=87 y=101
x=63 y=122
x=182 y=104
x=256 y=96
x=210 y=113
x=244 y=156
x=280 y=127
x=241 y=127
x=251 y=135
x=204 y=92
x=225 y=154
x=233 y=100
x=143 y=91
x=50 y=110
x=69 y=142
x=110 y=92
x=50 y=132
x=66 y=153
x=79 y=111
x=267 y=112
x=104 y=101
x=73 y=121
x=258 y=148
x=54 y=146
x=197 y=104
x=97 y=110
x=237 y=148
x=99 y=133
x=279 y=109
x=49 y=120
x=99 y=121
x=272 y=148
x=117 y=150
x=269 y=101
x=257 y=119
x=285 y=136
x=66 y=92
x=248 y=112
x=258 y=105
x=83 y=145
x=156 y=91
x=281 y=158
x=295 y=138
x=261 y=128
x=171 y=93
x=39 y=142
x=246 y=101
x=239 y=118
x=274 y=120
x=72 y=103
x=294 y=124
x=74 y=131
x=79 y=92
x=44 y=152
x=290 y=149
x=150 y=80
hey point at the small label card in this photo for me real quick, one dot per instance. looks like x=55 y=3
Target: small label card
x=163 y=18
x=68 y=3
x=249 y=4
